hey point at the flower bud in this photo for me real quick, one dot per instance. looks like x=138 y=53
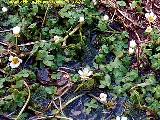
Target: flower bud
x=4 y=9
x=16 y=30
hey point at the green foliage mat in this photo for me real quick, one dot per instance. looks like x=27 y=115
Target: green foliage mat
x=54 y=45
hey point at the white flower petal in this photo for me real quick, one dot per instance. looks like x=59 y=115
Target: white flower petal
x=14 y=65
x=149 y=29
x=151 y=14
x=56 y=39
x=147 y=15
x=20 y=60
x=106 y=18
x=10 y=58
x=90 y=73
x=94 y=2
x=4 y=9
x=133 y=44
x=16 y=30
x=123 y=118
x=103 y=97
x=86 y=70
x=81 y=19
x=118 y=118
x=155 y=17
x=80 y=72
x=85 y=73
x=131 y=50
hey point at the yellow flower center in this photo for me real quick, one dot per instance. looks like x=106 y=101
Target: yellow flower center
x=148 y=29
x=15 y=60
x=85 y=74
x=102 y=97
x=151 y=18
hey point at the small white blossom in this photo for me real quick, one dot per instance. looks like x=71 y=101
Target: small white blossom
x=151 y=17
x=132 y=44
x=56 y=39
x=16 y=30
x=14 y=61
x=149 y=29
x=105 y=17
x=81 y=19
x=85 y=73
x=94 y=2
x=4 y=9
x=131 y=50
x=103 y=97
x=121 y=118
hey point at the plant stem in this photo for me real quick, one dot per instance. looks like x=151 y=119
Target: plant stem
x=16 y=41
x=24 y=106
x=79 y=86
x=44 y=19
x=70 y=101
x=5 y=31
x=71 y=33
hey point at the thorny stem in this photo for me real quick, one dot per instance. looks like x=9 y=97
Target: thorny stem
x=24 y=106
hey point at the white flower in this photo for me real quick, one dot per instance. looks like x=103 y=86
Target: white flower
x=105 y=17
x=121 y=118
x=81 y=19
x=85 y=73
x=56 y=39
x=131 y=50
x=16 y=30
x=103 y=97
x=132 y=44
x=149 y=29
x=15 y=61
x=150 y=17
x=4 y=9
x=94 y=2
